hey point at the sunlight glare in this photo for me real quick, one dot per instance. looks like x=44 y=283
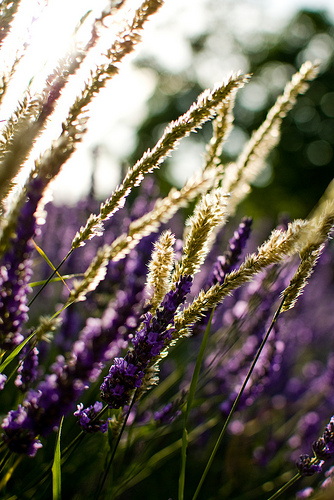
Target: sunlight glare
x=45 y=31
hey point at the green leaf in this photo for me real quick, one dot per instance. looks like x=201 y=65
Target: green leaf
x=45 y=257
x=56 y=468
x=15 y=352
x=54 y=280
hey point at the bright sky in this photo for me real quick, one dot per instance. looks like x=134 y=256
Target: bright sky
x=286 y=8
x=120 y=108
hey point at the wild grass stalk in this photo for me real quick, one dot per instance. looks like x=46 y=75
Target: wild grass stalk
x=155 y=324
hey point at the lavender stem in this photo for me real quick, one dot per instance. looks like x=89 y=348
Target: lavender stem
x=287 y=485
x=236 y=401
x=107 y=469
x=50 y=277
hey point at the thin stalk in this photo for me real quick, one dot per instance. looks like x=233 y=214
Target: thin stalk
x=65 y=454
x=77 y=440
x=286 y=486
x=9 y=473
x=291 y=482
x=236 y=401
x=190 y=399
x=14 y=371
x=50 y=277
x=136 y=475
x=107 y=469
x=55 y=280
x=4 y=461
x=15 y=352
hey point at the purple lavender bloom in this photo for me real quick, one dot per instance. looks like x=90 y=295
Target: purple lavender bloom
x=329 y=481
x=306 y=468
x=316 y=380
x=87 y=418
x=255 y=302
x=223 y=265
x=305 y=493
x=126 y=373
x=43 y=408
x=27 y=371
x=19 y=433
x=99 y=341
x=169 y=412
x=13 y=300
x=15 y=271
x=323 y=448
x=227 y=262
x=267 y=366
x=3 y=379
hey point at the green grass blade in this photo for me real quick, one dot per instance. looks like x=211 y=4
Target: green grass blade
x=15 y=352
x=45 y=257
x=191 y=395
x=54 y=280
x=288 y=484
x=56 y=468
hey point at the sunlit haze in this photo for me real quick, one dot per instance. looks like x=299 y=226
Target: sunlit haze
x=47 y=31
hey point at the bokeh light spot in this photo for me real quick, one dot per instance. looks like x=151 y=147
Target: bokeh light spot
x=319 y=153
x=254 y=96
x=327 y=104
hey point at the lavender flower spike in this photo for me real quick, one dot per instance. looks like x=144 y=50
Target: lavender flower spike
x=98 y=342
x=3 y=380
x=226 y=263
x=169 y=412
x=15 y=271
x=87 y=418
x=324 y=447
x=27 y=371
x=19 y=434
x=306 y=467
x=229 y=259
x=323 y=450
x=126 y=373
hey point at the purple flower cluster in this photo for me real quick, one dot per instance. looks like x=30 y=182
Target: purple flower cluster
x=126 y=373
x=15 y=271
x=227 y=262
x=222 y=265
x=169 y=412
x=248 y=315
x=55 y=396
x=121 y=297
x=87 y=418
x=323 y=450
x=3 y=380
x=42 y=409
x=317 y=379
x=27 y=371
x=19 y=434
x=306 y=467
x=324 y=447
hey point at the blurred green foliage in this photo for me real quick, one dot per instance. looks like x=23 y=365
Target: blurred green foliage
x=301 y=167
